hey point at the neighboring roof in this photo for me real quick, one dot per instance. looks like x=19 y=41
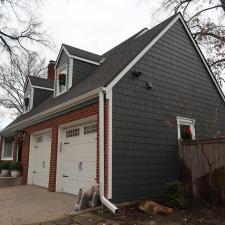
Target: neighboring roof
x=115 y=61
x=82 y=53
x=41 y=82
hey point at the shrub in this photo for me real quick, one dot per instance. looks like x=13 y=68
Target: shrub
x=175 y=196
x=4 y=165
x=16 y=166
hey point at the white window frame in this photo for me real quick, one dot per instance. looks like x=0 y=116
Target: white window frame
x=3 y=151
x=186 y=121
x=30 y=95
x=62 y=67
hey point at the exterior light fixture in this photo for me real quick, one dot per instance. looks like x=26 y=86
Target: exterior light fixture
x=137 y=73
x=149 y=85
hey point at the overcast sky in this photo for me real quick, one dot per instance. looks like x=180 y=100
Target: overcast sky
x=92 y=25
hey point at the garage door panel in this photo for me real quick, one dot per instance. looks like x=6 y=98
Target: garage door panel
x=41 y=159
x=79 y=158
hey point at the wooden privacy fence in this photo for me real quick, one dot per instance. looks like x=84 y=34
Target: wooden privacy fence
x=196 y=159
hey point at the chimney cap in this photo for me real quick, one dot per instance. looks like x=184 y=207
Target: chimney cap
x=52 y=61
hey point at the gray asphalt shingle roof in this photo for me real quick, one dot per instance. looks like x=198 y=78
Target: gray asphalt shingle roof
x=41 y=82
x=115 y=60
x=82 y=53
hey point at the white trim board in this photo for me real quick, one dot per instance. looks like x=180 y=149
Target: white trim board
x=142 y=53
x=44 y=88
x=72 y=102
x=74 y=57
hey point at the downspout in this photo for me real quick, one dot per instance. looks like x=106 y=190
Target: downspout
x=104 y=201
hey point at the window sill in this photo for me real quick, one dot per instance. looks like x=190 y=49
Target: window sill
x=7 y=159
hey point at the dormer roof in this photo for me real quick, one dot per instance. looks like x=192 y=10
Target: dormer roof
x=41 y=82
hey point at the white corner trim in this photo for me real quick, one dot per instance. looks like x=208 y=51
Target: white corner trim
x=70 y=73
x=109 y=97
x=44 y=88
x=186 y=121
x=139 y=56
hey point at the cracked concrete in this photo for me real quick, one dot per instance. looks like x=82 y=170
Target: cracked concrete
x=29 y=204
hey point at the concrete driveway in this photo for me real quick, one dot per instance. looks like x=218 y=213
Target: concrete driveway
x=28 y=204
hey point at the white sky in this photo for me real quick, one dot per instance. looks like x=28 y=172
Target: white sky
x=92 y=25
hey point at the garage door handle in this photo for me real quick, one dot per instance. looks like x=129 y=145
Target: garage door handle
x=34 y=172
x=65 y=175
x=66 y=143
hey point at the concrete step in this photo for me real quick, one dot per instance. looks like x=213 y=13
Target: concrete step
x=10 y=181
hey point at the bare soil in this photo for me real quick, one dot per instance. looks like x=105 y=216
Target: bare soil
x=195 y=214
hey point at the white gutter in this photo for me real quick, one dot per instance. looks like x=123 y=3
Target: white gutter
x=65 y=105
x=104 y=201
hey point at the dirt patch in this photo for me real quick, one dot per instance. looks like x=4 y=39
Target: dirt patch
x=195 y=214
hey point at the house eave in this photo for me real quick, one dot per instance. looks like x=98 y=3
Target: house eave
x=36 y=118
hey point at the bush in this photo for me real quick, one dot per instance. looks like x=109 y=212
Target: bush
x=4 y=165
x=175 y=196
x=16 y=166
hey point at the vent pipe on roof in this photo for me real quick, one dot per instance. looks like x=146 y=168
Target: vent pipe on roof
x=104 y=201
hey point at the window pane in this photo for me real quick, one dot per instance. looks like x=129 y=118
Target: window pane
x=185 y=131
x=8 y=149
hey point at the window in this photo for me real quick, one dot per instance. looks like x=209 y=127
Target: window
x=61 y=80
x=8 y=150
x=27 y=102
x=73 y=133
x=89 y=129
x=186 y=128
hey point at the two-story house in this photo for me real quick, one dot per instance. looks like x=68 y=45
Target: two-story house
x=115 y=119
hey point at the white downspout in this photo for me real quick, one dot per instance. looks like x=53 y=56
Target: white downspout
x=104 y=201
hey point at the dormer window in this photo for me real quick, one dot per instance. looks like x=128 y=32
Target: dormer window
x=26 y=103
x=61 y=81
x=27 y=99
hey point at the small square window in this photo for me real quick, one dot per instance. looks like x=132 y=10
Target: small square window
x=186 y=128
x=90 y=129
x=73 y=133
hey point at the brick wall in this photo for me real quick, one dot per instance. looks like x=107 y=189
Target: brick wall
x=53 y=124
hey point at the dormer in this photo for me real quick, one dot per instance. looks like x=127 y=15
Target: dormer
x=38 y=89
x=73 y=65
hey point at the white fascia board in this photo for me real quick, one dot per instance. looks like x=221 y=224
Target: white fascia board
x=84 y=60
x=202 y=57
x=44 y=88
x=142 y=53
x=139 y=56
x=75 y=101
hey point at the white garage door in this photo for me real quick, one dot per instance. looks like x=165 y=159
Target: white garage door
x=79 y=158
x=41 y=159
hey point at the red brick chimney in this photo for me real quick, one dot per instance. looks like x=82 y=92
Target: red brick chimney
x=51 y=70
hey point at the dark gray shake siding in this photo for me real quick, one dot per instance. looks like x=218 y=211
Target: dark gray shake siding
x=81 y=70
x=40 y=95
x=145 y=152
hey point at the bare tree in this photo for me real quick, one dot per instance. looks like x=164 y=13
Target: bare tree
x=205 y=18
x=13 y=79
x=19 y=29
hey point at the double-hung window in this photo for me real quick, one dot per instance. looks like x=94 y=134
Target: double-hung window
x=186 y=129
x=7 y=150
x=61 y=81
